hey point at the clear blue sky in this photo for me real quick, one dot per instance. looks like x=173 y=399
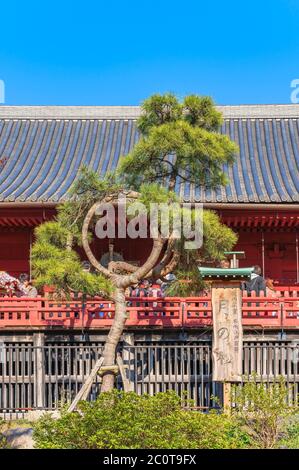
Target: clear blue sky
x=118 y=52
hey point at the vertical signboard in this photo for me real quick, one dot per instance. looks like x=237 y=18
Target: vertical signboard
x=227 y=332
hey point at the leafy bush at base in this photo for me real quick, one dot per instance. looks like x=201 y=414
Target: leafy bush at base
x=120 y=420
x=3 y=440
x=290 y=438
x=264 y=410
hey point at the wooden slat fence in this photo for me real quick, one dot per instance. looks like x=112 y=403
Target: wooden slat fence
x=46 y=377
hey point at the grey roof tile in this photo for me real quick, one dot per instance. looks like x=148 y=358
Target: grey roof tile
x=43 y=149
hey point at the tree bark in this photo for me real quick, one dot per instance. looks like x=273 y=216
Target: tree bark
x=69 y=242
x=121 y=282
x=113 y=338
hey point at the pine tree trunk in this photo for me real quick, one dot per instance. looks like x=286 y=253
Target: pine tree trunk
x=113 y=338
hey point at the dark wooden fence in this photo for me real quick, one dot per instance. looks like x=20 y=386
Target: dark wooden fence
x=46 y=377
x=184 y=368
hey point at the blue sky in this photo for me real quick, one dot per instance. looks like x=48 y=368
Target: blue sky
x=119 y=52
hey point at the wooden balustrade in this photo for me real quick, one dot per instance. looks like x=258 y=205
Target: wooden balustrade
x=171 y=312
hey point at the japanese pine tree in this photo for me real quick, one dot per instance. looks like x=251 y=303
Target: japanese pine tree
x=179 y=142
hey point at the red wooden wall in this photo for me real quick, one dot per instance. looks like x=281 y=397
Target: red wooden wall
x=14 y=250
x=280 y=245
x=280 y=260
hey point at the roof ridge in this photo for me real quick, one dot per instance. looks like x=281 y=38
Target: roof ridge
x=133 y=112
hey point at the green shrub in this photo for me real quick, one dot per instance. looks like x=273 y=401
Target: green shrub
x=290 y=438
x=3 y=440
x=118 y=420
x=263 y=410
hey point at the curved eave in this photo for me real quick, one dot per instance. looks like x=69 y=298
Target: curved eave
x=218 y=205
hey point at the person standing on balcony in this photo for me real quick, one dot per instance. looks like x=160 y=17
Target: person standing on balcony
x=155 y=291
x=31 y=291
x=28 y=289
x=140 y=290
x=257 y=282
x=224 y=264
x=270 y=289
x=168 y=279
x=271 y=292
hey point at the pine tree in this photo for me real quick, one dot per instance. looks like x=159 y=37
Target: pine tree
x=179 y=143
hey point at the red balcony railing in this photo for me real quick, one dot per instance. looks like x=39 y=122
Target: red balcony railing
x=171 y=312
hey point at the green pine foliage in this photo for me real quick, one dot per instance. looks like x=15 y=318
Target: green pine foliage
x=55 y=265
x=179 y=141
x=87 y=189
x=217 y=238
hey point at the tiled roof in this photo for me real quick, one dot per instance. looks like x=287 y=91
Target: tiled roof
x=42 y=149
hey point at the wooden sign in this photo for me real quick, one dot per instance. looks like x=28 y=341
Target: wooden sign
x=227 y=332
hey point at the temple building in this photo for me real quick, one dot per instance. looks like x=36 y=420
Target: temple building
x=43 y=147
